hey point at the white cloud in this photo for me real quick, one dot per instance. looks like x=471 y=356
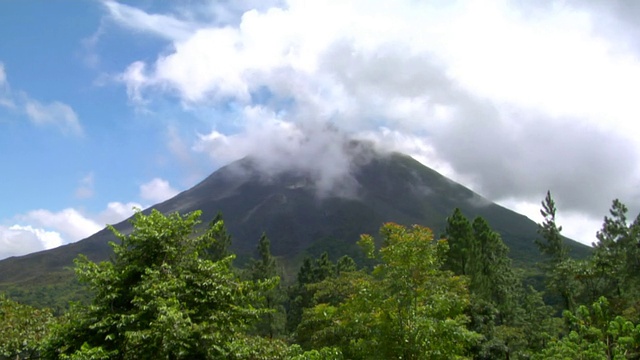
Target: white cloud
x=48 y=239
x=117 y=211
x=44 y=229
x=507 y=99
x=85 y=187
x=5 y=92
x=56 y=114
x=16 y=240
x=160 y=25
x=70 y=223
x=157 y=190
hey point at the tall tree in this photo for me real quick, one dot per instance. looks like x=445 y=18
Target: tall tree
x=160 y=297
x=218 y=238
x=407 y=308
x=551 y=244
x=272 y=323
x=301 y=293
x=493 y=278
x=462 y=247
x=616 y=258
x=561 y=271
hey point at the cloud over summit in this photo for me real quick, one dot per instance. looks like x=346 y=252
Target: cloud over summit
x=511 y=99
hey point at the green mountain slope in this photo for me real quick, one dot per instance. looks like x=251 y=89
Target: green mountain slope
x=392 y=187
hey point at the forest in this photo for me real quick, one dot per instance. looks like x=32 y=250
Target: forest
x=172 y=291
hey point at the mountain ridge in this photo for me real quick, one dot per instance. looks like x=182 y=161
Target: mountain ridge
x=287 y=206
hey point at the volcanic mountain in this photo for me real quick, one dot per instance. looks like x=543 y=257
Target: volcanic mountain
x=301 y=216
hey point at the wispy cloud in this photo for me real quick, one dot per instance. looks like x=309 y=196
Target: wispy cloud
x=167 y=27
x=85 y=187
x=54 y=114
x=157 y=190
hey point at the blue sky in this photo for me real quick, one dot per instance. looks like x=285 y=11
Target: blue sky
x=106 y=106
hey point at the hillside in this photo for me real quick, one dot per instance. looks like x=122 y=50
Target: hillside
x=287 y=206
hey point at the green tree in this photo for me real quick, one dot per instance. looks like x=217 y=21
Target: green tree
x=493 y=278
x=462 y=245
x=561 y=271
x=23 y=329
x=478 y=252
x=616 y=259
x=218 y=238
x=160 y=297
x=595 y=333
x=272 y=323
x=407 y=308
x=301 y=294
x=551 y=244
x=345 y=264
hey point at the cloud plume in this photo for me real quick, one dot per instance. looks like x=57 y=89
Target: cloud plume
x=510 y=99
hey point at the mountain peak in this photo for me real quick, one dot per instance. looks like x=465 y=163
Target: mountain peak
x=304 y=211
x=328 y=170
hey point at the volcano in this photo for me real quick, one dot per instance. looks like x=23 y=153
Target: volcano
x=301 y=216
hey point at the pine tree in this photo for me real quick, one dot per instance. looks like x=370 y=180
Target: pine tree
x=219 y=239
x=272 y=323
x=560 y=271
x=551 y=243
x=462 y=247
x=616 y=257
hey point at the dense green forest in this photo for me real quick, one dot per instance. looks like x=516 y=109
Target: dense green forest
x=171 y=291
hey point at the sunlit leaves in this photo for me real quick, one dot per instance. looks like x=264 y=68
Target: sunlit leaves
x=22 y=329
x=406 y=308
x=162 y=295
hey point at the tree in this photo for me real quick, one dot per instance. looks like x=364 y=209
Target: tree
x=218 y=239
x=561 y=271
x=462 y=247
x=160 y=297
x=406 y=308
x=616 y=258
x=272 y=323
x=345 y=264
x=595 y=333
x=301 y=294
x=476 y=251
x=551 y=243
x=493 y=278
x=23 y=329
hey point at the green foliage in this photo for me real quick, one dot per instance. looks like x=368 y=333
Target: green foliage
x=271 y=323
x=462 y=245
x=160 y=297
x=595 y=333
x=326 y=353
x=616 y=260
x=311 y=272
x=406 y=308
x=478 y=252
x=551 y=243
x=218 y=240
x=560 y=270
x=22 y=329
